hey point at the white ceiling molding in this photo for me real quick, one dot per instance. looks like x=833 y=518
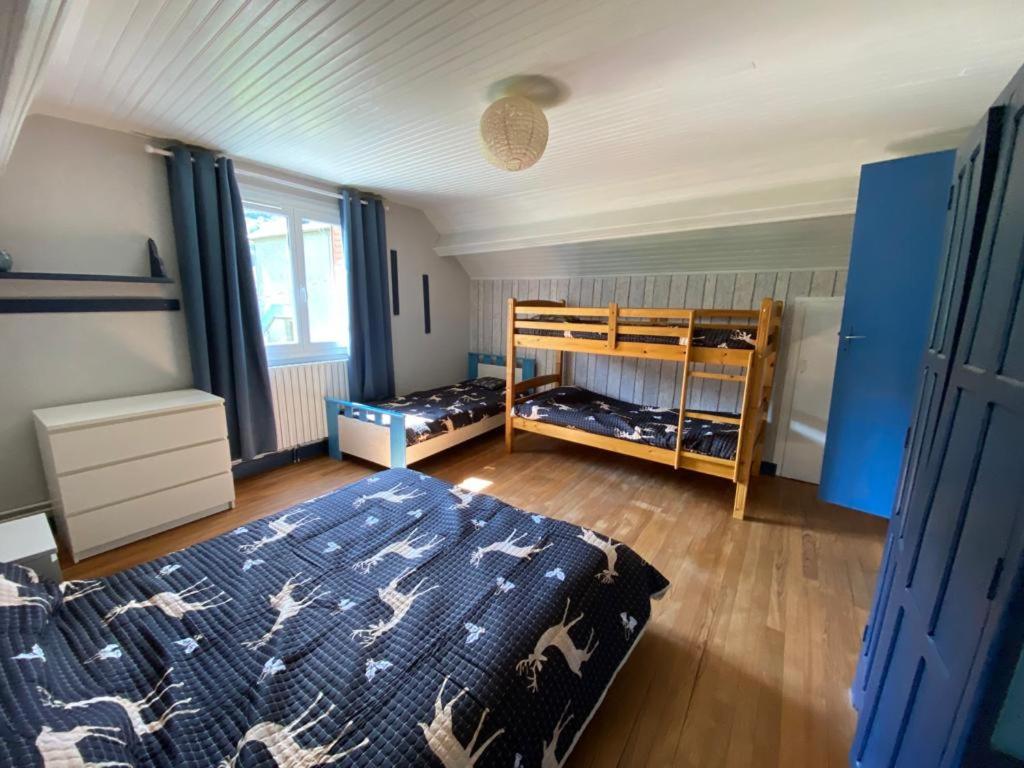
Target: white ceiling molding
x=818 y=243
x=666 y=103
x=29 y=33
x=782 y=203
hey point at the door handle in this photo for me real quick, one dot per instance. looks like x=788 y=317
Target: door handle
x=851 y=338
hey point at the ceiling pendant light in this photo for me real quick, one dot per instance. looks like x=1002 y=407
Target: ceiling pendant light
x=514 y=131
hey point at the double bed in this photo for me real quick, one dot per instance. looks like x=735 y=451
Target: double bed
x=396 y=621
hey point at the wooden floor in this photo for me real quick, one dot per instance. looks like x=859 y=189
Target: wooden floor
x=750 y=654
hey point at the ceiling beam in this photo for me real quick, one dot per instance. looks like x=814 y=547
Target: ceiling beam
x=30 y=33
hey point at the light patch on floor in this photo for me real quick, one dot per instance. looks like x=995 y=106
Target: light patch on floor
x=475 y=484
x=645 y=506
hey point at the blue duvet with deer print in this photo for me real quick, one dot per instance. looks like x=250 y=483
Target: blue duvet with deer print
x=396 y=621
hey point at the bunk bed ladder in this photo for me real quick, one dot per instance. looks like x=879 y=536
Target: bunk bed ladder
x=751 y=412
x=767 y=383
x=686 y=342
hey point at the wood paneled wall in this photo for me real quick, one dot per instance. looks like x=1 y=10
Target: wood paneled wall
x=650 y=382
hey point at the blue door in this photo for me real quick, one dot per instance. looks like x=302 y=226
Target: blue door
x=969 y=197
x=894 y=260
x=962 y=505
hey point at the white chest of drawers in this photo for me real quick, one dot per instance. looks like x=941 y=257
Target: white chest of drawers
x=120 y=470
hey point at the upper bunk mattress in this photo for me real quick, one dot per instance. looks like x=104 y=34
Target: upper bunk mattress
x=722 y=338
x=395 y=622
x=580 y=408
x=434 y=412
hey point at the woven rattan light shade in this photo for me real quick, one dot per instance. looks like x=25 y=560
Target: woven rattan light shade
x=514 y=132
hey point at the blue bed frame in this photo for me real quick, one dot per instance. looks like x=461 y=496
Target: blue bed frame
x=371 y=413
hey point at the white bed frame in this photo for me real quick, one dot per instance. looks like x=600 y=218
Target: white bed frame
x=378 y=435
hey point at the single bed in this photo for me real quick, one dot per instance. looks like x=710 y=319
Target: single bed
x=433 y=412
x=396 y=621
x=581 y=409
x=706 y=335
x=409 y=428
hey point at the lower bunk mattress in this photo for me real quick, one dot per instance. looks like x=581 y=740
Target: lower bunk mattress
x=588 y=411
x=434 y=412
x=396 y=621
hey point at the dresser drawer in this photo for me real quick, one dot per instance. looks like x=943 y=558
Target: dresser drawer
x=92 y=446
x=100 y=487
x=101 y=529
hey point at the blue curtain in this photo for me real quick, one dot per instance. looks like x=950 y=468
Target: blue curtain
x=219 y=293
x=371 y=369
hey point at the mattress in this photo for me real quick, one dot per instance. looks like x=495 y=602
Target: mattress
x=434 y=412
x=723 y=338
x=582 y=409
x=396 y=621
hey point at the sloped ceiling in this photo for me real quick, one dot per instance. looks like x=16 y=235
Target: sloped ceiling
x=822 y=242
x=678 y=115
x=28 y=32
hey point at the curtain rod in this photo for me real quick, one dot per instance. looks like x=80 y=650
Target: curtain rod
x=151 y=150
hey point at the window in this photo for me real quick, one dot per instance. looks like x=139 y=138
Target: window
x=299 y=266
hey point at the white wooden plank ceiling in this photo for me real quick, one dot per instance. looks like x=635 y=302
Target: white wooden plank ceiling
x=677 y=110
x=28 y=33
x=815 y=243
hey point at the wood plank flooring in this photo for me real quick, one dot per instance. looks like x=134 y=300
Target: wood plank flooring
x=749 y=656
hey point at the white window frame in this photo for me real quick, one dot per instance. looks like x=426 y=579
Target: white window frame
x=296 y=208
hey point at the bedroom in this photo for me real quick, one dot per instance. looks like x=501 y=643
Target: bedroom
x=508 y=383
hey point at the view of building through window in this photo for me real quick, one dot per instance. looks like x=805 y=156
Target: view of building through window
x=325 y=282
x=272 y=266
x=299 y=268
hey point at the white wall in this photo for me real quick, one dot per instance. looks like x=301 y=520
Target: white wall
x=80 y=199
x=651 y=382
x=426 y=360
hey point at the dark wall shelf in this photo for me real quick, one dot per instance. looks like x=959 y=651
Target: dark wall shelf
x=98 y=304
x=82 y=278
x=16 y=304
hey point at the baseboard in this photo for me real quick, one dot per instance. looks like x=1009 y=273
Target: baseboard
x=269 y=461
x=45 y=507
x=769 y=468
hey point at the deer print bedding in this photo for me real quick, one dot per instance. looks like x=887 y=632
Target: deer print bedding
x=396 y=621
x=580 y=408
x=434 y=412
x=723 y=338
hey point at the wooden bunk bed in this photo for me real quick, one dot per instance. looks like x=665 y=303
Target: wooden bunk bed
x=657 y=334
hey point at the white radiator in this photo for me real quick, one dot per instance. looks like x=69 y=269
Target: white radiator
x=299 y=392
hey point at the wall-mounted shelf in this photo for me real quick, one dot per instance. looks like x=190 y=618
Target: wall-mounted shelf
x=62 y=276
x=60 y=292
x=108 y=304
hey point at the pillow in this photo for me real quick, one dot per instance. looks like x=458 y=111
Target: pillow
x=492 y=383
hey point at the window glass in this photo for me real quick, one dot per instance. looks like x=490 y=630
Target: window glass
x=298 y=261
x=272 y=268
x=326 y=290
